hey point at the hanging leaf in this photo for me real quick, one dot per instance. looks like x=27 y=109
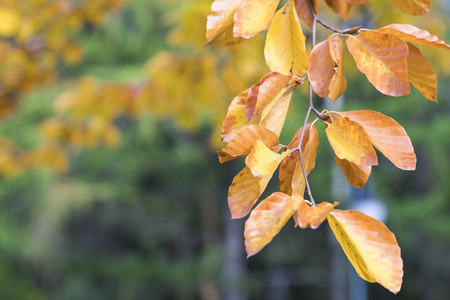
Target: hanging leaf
x=321 y=69
x=274 y=115
x=308 y=216
x=262 y=161
x=253 y=16
x=340 y=7
x=243 y=143
x=420 y=73
x=387 y=136
x=350 y=141
x=412 y=34
x=266 y=221
x=304 y=11
x=413 y=7
x=338 y=83
x=382 y=58
x=356 y=175
x=220 y=18
x=244 y=191
x=285 y=50
x=370 y=246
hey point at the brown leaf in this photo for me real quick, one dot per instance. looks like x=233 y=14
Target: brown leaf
x=413 y=7
x=420 y=73
x=262 y=161
x=412 y=34
x=266 y=221
x=304 y=11
x=308 y=216
x=243 y=143
x=356 y=175
x=370 y=246
x=387 y=136
x=253 y=16
x=338 y=83
x=321 y=69
x=220 y=18
x=285 y=50
x=382 y=58
x=350 y=141
x=340 y=7
x=244 y=191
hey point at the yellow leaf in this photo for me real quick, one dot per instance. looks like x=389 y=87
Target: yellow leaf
x=356 y=175
x=349 y=141
x=266 y=221
x=220 y=18
x=308 y=216
x=340 y=7
x=304 y=11
x=285 y=50
x=387 y=136
x=244 y=191
x=321 y=69
x=370 y=247
x=243 y=143
x=338 y=83
x=262 y=161
x=413 y=7
x=236 y=119
x=253 y=16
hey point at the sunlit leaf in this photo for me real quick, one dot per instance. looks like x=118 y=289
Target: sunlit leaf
x=244 y=191
x=387 y=136
x=308 y=216
x=350 y=141
x=321 y=69
x=266 y=221
x=220 y=18
x=413 y=7
x=304 y=11
x=338 y=83
x=253 y=16
x=285 y=50
x=370 y=247
x=274 y=115
x=262 y=161
x=356 y=175
x=236 y=119
x=340 y=7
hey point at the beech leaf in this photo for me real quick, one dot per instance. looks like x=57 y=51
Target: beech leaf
x=338 y=83
x=304 y=11
x=220 y=18
x=340 y=7
x=308 y=216
x=413 y=7
x=321 y=69
x=262 y=161
x=382 y=58
x=370 y=247
x=356 y=175
x=253 y=16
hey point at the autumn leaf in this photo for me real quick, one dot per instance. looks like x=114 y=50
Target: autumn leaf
x=262 y=161
x=356 y=175
x=236 y=119
x=220 y=18
x=370 y=246
x=244 y=191
x=340 y=7
x=413 y=7
x=321 y=69
x=350 y=141
x=387 y=136
x=338 y=83
x=304 y=11
x=266 y=221
x=274 y=115
x=309 y=216
x=382 y=58
x=243 y=143
x=285 y=50
x=253 y=16
x=420 y=73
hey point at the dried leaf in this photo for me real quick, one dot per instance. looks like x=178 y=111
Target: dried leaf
x=387 y=136
x=340 y=7
x=253 y=16
x=308 y=216
x=338 y=83
x=356 y=175
x=285 y=50
x=370 y=246
x=243 y=143
x=321 y=69
x=413 y=7
x=266 y=220
x=382 y=58
x=262 y=161
x=244 y=191
x=304 y=11
x=220 y=18
x=274 y=115
x=350 y=141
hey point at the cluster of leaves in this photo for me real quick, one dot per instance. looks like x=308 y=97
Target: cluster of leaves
x=256 y=116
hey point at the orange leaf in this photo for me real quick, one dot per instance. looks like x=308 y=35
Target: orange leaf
x=387 y=136
x=274 y=115
x=244 y=191
x=356 y=175
x=382 y=58
x=413 y=7
x=308 y=216
x=412 y=34
x=420 y=73
x=304 y=11
x=262 y=161
x=253 y=16
x=285 y=50
x=350 y=141
x=338 y=83
x=340 y=7
x=220 y=18
x=370 y=247
x=321 y=69
x=266 y=221
x=243 y=143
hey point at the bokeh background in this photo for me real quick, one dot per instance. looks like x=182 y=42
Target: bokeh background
x=110 y=185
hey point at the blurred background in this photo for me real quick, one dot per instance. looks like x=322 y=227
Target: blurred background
x=110 y=184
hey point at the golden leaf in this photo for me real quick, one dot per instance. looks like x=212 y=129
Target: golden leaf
x=220 y=18
x=382 y=58
x=370 y=247
x=338 y=83
x=253 y=16
x=244 y=191
x=350 y=141
x=387 y=136
x=356 y=175
x=262 y=161
x=321 y=69
x=285 y=50
x=308 y=216
x=340 y=7
x=413 y=7
x=304 y=11
x=266 y=221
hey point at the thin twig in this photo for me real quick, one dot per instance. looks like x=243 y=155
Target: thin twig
x=317 y=19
